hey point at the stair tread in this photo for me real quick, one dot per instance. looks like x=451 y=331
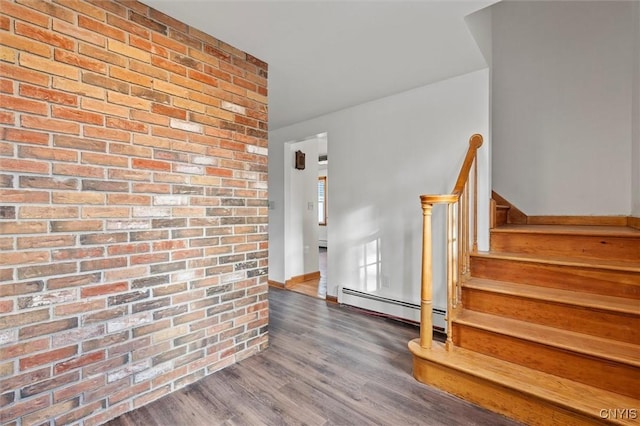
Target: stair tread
x=555 y=295
x=564 y=261
x=612 y=350
x=587 y=230
x=574 y=396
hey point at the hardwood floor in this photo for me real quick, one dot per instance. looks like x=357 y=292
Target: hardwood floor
x=316 y=287
x=326 y=365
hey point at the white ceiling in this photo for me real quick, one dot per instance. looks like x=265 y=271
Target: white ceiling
x=325 y=56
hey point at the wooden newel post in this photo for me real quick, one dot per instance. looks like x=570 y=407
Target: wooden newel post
x=426 y=297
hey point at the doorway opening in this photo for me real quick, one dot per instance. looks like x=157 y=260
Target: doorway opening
x=307 y=217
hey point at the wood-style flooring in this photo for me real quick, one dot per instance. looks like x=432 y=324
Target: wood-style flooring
x=315 y=287
x=326 y=365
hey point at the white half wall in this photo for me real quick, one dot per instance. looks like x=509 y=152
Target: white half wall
x=384 y=155
x=562 y=80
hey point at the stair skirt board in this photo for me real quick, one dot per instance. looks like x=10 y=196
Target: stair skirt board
x=392 y=307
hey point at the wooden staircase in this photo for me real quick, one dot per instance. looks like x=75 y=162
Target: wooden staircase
x=548 y=331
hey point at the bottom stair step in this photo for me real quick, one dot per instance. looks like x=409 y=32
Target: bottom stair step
x=603 y=363
x=527 y=395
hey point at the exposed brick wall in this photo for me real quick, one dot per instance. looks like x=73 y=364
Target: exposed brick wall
x=133 y=208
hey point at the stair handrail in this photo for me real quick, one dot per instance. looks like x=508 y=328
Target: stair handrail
x=458 y=250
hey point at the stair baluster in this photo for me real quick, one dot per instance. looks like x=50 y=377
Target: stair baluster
x=458 y=246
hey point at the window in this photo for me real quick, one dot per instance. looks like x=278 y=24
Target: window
x=322 y=200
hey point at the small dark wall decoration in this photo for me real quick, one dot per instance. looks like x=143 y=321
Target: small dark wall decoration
x=300 y=160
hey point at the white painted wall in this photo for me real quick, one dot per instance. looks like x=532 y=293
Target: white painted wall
x=384 y=154
x=635 y=115
x=561 y=106
x=322 y=229
x=301 y=223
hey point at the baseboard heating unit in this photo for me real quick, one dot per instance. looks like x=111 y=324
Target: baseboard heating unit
x=393 y=307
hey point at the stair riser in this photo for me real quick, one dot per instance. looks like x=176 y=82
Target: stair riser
x=577 y=246
x=501 y=216
x=612 y=325
x=589 y=280
x=510 y=402
x=590 y=370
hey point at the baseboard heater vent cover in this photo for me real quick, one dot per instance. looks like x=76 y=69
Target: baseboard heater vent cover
x=398 y=308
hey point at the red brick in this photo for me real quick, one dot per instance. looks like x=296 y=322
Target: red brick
x=21 y=408
x=52 y=411
x=112 y=7
x=49 y=124
x=53 y=96
x=104 y=107
x=168 y=65
x=101 y=54
x=7 y=117
x=44 y=36
x=42 y=153
x=104 y=81
x=49 y=8
x=142 y=20
x=25 y=105
x=83 y=253
x=130 y=150
x=110 y=263
x=24 y=166
x=101 y=290
x=168 y=43
x=104 y=160
x=75 y=226
x=6 y=86
x=101 y=28
x=128 y=125
x=47 y=357
x=79 y=33
x=126 y=50
x=24 y=348
x=20 y=12
x=68 y=197
x=4 y=23
x=48 y=241
x=169 y=111
x=78 y=362
x=104 y=212
x=77 y=389
x=80 y=61
x=71 y=86
x=149 y=258
x=130 y=101
x=205 y=78
x=23 y=258
x=84 y=8
x=79 y=307
x=23 y=227
x=86 y=410
x=149 y=70
x=109 y=134
x=79 y=143
x=42 y=329
x=128 y=249
x=140 y=163
x=6 y=306
x=26 y=45
x=148 y=46
x=21 y=74
x=24 y=136
x=75 y=170
x=116 y=199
